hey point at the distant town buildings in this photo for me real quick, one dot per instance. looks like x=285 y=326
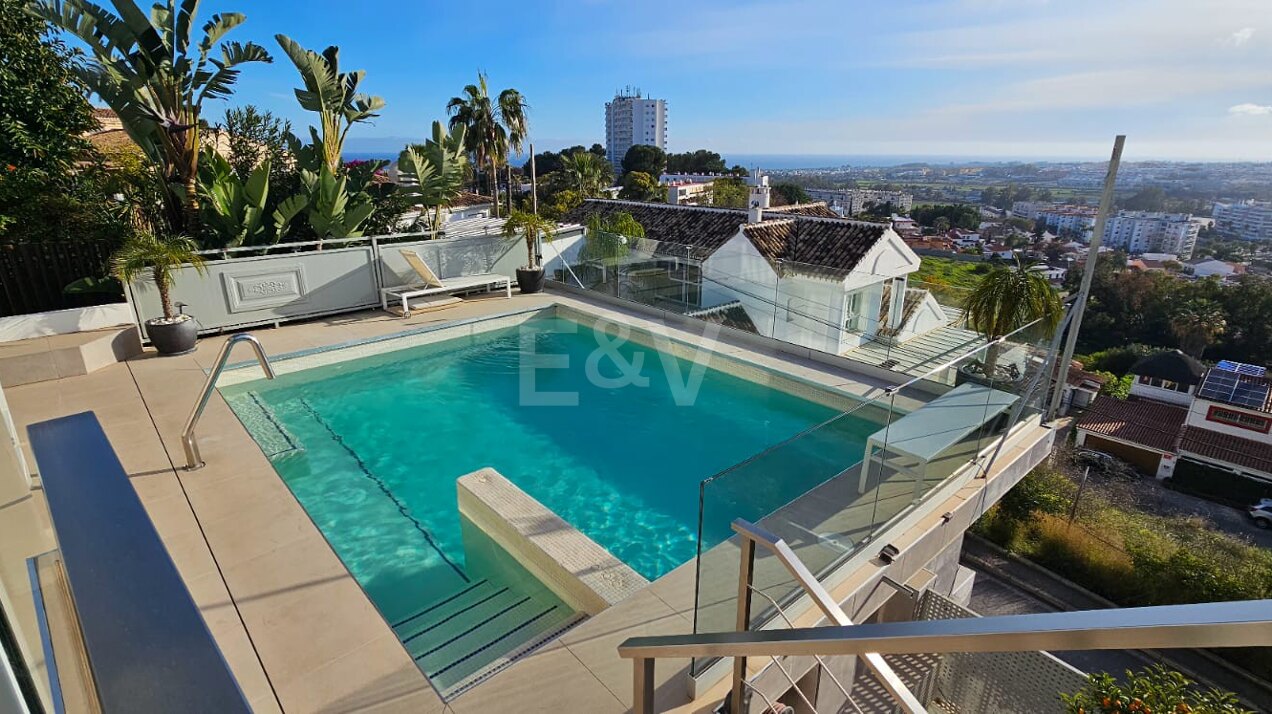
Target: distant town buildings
x=632 y=119
x=689 y=192
x=855 y=200
x=1066 y=220
x=1139 y=232
x=1248 y=220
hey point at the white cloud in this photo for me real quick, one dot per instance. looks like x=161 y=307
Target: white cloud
x=1251 y=110
x=1242 y=36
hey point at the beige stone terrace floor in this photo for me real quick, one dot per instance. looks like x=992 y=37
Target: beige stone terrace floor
x=295 y=627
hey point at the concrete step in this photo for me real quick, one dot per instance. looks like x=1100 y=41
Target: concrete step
x=40 y=359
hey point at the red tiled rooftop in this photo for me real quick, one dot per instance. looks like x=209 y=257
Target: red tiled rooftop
x=1139 y=421
x=1225 y=447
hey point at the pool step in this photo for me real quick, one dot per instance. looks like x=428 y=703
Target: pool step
x=465 y=637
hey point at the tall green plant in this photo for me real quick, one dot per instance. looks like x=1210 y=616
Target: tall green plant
x=433 y=172
x=587 y=173
x=329 y=204
x=331 y=94
x=145 y=252
x=531 y=228
x=156 y=74
x=234 y=210
x=1007 y=299
x=493 y=127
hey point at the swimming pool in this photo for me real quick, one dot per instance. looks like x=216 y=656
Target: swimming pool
x=372 y=446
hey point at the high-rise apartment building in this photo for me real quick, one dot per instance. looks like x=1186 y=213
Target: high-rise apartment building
x=1248 y=220
x=632 y=119
x=1151 y=232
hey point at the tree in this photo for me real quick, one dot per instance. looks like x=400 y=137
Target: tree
x=1146 y=199
x=148 y=68
x=956 y=215
x=728 y=193
x=433 y=172
x=492 y=127
x=1196 y=324
x=640 y=186
x=160 y=256
x=531 y=228
x=44 y=109
x=332 y=95
x=587 y=173
x=695 y=162
x=646 y=159
x=791 y=193
x=610 y=238
x=253 y=137
x=1006 y=299
x=1156 y=689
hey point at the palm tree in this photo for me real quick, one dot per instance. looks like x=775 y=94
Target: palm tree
x=148 y=68
x=493 y=128
x=333 y=95
x=531 y=226
x=1006 y=299
x=1196 y=324
x=587 y=173
x=144 y=252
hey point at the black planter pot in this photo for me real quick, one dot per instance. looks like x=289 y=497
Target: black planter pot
x=175 y=338
x=530 y=281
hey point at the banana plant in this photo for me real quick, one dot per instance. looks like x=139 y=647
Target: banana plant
x=331 y=94
x=233 y=210
x=433 y=173
x=327 y=203
x=154 y=72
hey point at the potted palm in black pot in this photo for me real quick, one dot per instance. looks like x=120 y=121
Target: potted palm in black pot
x=531 y=227
x=143 y=253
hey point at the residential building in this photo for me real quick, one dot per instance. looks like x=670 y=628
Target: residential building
x=1219 y=417
x=1248 y=220
x=1212 y=267
x=1072 y=221
x=857 y=200
x=632 y=119
x=816 y=280
x=689 y=192
x=1139 y=232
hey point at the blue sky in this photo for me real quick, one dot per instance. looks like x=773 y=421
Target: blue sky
x=1187 y=79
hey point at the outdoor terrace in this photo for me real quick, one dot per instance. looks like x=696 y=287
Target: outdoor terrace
x=299 y=633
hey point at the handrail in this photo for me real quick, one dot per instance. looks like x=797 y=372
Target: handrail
x=1246 y=623
x=194 y=460
x=882 y=671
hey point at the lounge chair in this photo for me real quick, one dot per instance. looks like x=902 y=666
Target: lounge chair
x=430 y=284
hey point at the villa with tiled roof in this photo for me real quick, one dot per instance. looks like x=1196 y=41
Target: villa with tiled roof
x=826 y=278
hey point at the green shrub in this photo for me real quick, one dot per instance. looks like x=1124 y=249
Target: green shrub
x=1117 y=360
x=1042 y=490
x=1154 y=690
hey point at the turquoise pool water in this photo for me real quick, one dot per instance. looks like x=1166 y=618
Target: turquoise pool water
x=371 y=447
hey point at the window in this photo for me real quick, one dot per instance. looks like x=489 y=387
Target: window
x=1239 y=419
x=852 y=312
x=1162 y=383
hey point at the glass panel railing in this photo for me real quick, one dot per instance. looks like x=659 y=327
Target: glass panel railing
x=833 y=489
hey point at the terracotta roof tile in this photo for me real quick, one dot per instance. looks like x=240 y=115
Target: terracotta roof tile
x=1138 y=421
x=1225 y=447
x=817 y=209
x=706 y=229
x=468 y=198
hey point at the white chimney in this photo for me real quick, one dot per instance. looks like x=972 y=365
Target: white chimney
x=759 y=199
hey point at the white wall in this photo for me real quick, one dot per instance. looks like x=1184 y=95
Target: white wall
x=1169 y=396
x=65 y=322
x=927 y=317
x=1197 y=417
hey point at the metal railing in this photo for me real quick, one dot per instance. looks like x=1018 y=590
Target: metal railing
x=194 y=460
x=1226 y=624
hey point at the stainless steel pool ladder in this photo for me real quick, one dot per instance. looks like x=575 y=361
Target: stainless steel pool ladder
x=193 y=460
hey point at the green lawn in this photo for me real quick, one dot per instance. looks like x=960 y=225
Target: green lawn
x=955 y=273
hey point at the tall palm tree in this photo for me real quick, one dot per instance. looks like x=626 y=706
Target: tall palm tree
x=587 y=173
x=493 y=127
x=1197 y=323
x=1008 y=298
x=333 y=95
x=150 y=70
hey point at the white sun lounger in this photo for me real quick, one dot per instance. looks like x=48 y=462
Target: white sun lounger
x=430 y=284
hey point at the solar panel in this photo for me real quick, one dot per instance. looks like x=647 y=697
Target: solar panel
x=1252 y=370
x=1232 y=385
